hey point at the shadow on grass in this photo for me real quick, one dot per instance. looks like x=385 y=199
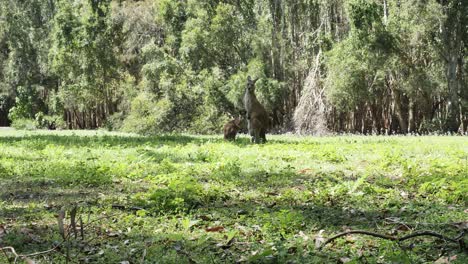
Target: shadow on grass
x=263 y=228
x=48 y=192
x=260 y=226
x=40 y=141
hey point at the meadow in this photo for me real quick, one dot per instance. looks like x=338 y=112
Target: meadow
x=107 y=197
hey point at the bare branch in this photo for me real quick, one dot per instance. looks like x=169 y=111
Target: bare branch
x=456 y=239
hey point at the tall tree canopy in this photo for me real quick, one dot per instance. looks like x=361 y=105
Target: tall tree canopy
x=359 y=66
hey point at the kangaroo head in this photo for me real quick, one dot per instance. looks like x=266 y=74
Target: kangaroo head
x=251 y=85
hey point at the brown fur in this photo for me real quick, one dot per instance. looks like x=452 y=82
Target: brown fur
x=231 y=128
x=257 y=116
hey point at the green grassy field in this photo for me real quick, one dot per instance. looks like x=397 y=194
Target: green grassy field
x=198 y=199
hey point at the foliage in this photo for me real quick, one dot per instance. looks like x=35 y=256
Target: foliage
x=148 y=116
x=380 y=66
x=24 y=124
x=184 y=198
x=49 y=121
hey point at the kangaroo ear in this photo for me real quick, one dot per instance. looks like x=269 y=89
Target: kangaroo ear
x=248 y=78
x=255 y=80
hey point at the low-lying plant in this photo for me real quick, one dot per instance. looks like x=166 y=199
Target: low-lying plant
x=199 y=199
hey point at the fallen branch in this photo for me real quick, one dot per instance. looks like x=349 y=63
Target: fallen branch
x=123 y=207
x=458 y=239
x=65 y=233
x=427 y=233
x=12 y=249
x=41 y=252
x=26 y=256
x=6 y=256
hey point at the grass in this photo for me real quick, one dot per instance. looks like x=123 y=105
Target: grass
x=198 y=199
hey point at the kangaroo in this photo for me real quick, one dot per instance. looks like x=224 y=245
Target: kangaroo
x=257 y=116
x=231 y=128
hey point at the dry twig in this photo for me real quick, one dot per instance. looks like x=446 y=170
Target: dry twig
x=458 y=239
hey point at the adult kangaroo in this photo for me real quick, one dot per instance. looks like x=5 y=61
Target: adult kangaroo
x=257 y=116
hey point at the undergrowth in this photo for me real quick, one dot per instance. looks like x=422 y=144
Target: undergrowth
x=198 y=199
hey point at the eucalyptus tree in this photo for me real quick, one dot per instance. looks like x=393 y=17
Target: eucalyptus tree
x=83 y=59
x=452 y=42
x=25 y=78
x=380 y=66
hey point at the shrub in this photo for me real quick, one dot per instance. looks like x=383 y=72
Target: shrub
x=115 y=121
x=148 y=116
x=24 y=124
x=49 y=121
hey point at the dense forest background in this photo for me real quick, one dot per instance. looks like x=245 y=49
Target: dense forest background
x=150 y=66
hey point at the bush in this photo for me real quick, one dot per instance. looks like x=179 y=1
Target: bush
x=49 y=121
x=148 y=116
x=207 y=121
x=41 y=121
x=115 y=121
x=24 y=124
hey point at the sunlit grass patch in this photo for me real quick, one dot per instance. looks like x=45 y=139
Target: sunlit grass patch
x=189 y=198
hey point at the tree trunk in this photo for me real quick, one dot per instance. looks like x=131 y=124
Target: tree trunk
x=453 y=33
x=411 y=117
x=452 y=104
x=397 y=103
x=399 y=111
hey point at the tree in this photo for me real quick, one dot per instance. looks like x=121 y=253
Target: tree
x=83 y=59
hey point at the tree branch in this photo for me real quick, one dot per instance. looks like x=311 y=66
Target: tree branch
x=457 y=239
